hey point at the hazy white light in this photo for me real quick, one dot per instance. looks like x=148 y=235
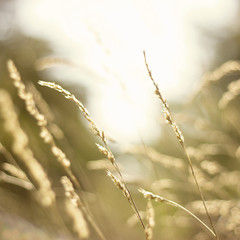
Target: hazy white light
x=106 y=38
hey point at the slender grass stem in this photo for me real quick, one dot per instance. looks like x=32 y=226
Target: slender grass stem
x=106 y=149
x=158 y=198
x=179 y=135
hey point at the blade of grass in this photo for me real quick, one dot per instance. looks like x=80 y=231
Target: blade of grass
x=106 y=149
x=169 y=120
x=158 y=198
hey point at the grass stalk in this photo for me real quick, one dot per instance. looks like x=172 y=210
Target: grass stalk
x=179 y=135
x=104 y=150
x=158 y=198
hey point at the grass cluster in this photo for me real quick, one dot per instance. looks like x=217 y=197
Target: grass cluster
x=192 y=190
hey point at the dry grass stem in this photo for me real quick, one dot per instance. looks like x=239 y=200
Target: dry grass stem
x=78 y=222
x=104 y=150
x=48 y=62
x=80 y=204
x=16 y=181
x=133 y=220
x=231 y=94
x=8 y=156
x=14 y=171
x=150 y=220
x=20 y=147
x=209 y=167
x=119 y=184
x=70 y=192
x=158 y=198
x=72 y=98
x=44 y=108
x=225 y=69
x=40 y=119
x=45 y=133
x=167 y=113
x=169 y=119
x=74 y=208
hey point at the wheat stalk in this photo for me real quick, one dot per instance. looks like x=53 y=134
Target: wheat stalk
x=103 y=149
x=179 y=135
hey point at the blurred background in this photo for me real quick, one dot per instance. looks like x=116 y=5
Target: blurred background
x=105 y=41
x=95 y=50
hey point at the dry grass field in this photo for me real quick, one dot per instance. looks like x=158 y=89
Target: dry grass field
x=61 y=177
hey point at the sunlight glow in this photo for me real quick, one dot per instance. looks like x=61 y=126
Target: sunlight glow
x=106 y=39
